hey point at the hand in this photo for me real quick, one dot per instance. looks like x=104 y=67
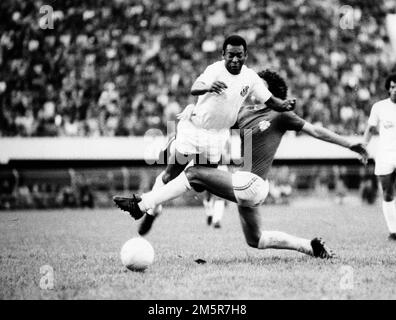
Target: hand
x=291 y=104
x=186 y=113
x=361 y=149
x=217 y=87
x=287 y=105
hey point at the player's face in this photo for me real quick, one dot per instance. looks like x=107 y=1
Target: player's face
x=392 y=91
x=235 y=57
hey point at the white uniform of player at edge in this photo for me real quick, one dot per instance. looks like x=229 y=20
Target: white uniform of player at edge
x=383 y=116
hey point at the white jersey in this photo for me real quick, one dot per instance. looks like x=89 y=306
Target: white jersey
x=383 y=116
x=220 y=111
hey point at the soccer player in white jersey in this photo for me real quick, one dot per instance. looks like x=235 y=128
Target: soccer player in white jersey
x=221 y=89
x=383 y=117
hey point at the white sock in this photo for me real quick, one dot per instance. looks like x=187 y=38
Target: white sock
x=389 y=210
x=218 y=210
x=281 y=240
x=171 y=190
x=208 y=207
x=157 y=184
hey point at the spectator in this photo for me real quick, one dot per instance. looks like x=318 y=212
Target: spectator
x=120 y=67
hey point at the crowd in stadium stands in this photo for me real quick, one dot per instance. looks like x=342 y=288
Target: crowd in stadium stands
x=120 y=67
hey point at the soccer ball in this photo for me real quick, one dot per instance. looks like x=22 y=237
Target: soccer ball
x=137 y=254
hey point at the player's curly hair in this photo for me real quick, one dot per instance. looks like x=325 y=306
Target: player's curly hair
x=391 y=77
x=276 y=84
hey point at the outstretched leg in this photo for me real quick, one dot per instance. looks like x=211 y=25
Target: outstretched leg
x=217 y=182
x=260 y=239
x=198 y=177
x=245 y=188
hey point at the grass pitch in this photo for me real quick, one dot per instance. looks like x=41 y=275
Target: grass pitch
x=82 y=247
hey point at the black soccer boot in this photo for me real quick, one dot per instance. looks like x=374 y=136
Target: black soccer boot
x=130 y=205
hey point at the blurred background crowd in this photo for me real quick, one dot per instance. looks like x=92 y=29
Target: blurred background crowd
x=120 y=67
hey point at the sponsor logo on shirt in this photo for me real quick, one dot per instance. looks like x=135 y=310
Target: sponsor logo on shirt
x=264 y=125
x=244 y=91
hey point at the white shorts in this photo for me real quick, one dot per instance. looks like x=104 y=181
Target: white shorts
x=249 y=189
x=385 y=163
x=193 y=140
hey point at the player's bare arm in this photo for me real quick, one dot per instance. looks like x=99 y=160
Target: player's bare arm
x=199 y=88
x=332 y=137
x=281 y=105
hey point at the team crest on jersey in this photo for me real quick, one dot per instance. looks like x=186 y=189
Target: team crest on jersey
x=388 y=124
x=264 y=125
x=244 y=91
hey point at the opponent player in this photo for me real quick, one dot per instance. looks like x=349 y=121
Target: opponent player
x=383 y=116
x=262 y=129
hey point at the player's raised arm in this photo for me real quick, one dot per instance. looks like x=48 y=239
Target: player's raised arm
x=332 y=137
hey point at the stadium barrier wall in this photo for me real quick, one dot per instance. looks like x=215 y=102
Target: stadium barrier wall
x=87 y=172
x=147 y=148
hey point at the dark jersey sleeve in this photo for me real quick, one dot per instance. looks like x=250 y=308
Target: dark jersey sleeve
x=291 y=121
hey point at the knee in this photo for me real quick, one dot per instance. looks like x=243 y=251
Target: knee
x=388 y=193
x=252 y=238
x=166 y=177
x=253 y=243
x=388 y=196
x=191 y=173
